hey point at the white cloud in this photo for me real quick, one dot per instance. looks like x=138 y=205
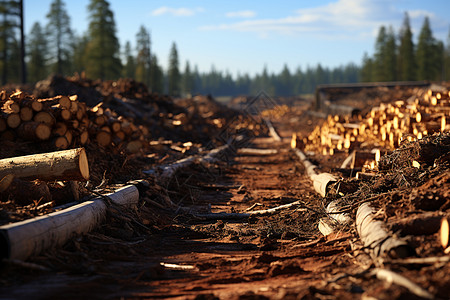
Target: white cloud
x=353 y=19
x=241 y=14
x=177 y=12
x=413 y=14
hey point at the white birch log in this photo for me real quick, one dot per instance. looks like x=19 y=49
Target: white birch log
x=31 y=237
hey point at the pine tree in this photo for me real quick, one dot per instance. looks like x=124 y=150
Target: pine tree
x=129 y=69
x=79 y=53
x=379 y=56
x=390 y=63
x=384 y=64
x=405 y=60
x=143 y=59
x=187 y=80
x=37 y=64
x=9 y=43
x=60 y=38
x=157 y=76
x=429 y=54
x=447 y=59
x=103 y=50
x=173 y=74
x=284 y=88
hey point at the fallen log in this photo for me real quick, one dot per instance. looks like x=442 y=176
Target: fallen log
x=273 y=133
x=31 y=237
x=253 y=151
x=60 y=165
x=376 y=237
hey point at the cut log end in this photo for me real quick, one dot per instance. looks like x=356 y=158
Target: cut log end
x=84 y=165
x=444 y=232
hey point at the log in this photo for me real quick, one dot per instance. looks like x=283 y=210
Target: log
x=376 y=237
x=426 y=223
x=31 y=103
x=134 y=146
x=444 y=232
x=45 y=117
x=26 y=114
x=60 y=128
x=60 y=165
x=326 y=225
x=5 y=182
x=13 y=120
x=31 y=237
x=103 y=138
x=273 y=133
x=252 y=151
x=34 y=131
x=11 y=106
x=61 y=143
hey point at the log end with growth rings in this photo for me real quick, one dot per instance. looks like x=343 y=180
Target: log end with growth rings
x=83 y=163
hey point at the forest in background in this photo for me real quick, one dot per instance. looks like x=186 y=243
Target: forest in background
x=53 y=48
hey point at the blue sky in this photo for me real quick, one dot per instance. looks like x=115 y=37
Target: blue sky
x=244 y=36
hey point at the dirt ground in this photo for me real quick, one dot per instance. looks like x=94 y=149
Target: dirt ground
x=153 y=252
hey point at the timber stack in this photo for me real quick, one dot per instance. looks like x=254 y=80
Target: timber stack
x=386 y=126
x=64 y=122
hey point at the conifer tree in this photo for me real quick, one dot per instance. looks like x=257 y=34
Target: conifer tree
x=60 y=38
x=187 y=80
x=79 y=54
x=9 y=43
x=103 y=49
x=157 y=76
x=129 y=69
x=143 y=59
x=37 y=45
x=405 y=60
x=447 y=59
x=173 y=74
x=429 y=54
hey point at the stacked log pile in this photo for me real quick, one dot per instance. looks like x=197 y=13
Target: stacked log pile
x=63 y=122
x=385 y=126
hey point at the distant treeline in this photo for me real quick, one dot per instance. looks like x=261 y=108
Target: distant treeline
x=53 y=48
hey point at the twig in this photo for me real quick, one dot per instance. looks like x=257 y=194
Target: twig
x=239 y=216
x=398 y=279
x=253 y=206
x=420 y=260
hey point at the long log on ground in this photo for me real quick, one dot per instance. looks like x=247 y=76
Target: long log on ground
x=31 y=237
x=376 y=237
x=422 y=224
x=320 y=181
x=60 y=165
x=273 y=133
x=253 y=151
